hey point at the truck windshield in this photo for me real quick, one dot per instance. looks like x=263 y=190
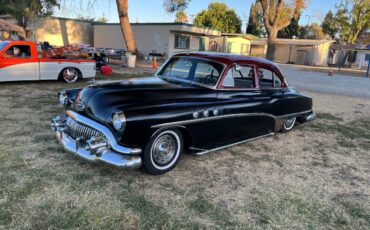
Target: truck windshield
x=3 y=45
x=193 y=70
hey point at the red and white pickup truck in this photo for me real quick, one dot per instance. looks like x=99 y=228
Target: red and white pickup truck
x=20 y=61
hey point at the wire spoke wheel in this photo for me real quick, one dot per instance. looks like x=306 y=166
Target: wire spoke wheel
x=163 y=152
x=164 y=148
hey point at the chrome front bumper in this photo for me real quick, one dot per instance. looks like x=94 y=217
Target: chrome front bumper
x=97 y=149
x=310 y=117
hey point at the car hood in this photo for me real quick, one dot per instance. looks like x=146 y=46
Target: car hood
x=128 y=96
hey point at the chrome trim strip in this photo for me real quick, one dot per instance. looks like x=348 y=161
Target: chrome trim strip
x=196 y=149
x=227 y=116
x=108 y=156
x=236 y=143
x=107 y=133
x=295 y=114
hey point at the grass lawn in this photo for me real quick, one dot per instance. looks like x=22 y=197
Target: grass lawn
x=315 y=177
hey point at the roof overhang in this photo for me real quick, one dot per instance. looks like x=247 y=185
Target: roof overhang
x=302 y=42
x=192 y=30
x=236 y=35
x=7 y=26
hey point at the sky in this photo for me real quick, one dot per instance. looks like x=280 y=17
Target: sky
x=153 y=11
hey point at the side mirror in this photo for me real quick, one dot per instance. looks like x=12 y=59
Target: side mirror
x=237 y=67
x=2 y=56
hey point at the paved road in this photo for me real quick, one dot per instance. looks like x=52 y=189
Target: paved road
x=320 y=82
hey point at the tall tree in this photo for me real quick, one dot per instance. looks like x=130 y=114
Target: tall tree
x=329 y=26
x=181 y=16
x=276 y=16
x=291 y=30
x=255 y=21
x=317 y=32
x=352 y=17
x=313 y=31
x=172 y=6
x=218 y=16
x=102 y=19
x=128 y=35
x=25 y=10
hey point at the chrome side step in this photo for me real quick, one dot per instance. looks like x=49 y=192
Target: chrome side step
x=230 y=145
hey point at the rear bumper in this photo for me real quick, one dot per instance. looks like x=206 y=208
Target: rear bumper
x=96 y=149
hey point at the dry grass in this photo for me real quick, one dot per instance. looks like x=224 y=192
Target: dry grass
x=315 y=177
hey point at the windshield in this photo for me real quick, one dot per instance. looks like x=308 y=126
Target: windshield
x=193 y=70
x=3 y=44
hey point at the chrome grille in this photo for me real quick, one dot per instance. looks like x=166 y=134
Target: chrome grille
x=77 y=130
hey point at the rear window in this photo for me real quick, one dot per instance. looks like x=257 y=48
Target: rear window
x=19 y=51
x=268 y=78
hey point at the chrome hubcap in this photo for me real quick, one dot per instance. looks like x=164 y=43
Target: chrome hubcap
x=289 y=123
x=70 y=75
x=164 y=149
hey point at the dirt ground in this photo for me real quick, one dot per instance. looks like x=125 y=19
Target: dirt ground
x=314 y=177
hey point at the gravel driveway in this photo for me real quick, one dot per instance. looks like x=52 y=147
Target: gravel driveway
x=344 y=85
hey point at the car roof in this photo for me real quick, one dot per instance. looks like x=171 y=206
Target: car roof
x=226 y=58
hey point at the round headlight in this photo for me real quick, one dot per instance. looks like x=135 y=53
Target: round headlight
x=119 y=121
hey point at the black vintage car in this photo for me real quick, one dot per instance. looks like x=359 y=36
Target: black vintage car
x=197 y=102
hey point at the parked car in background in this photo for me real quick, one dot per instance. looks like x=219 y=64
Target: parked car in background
x=20 y=61
x=196 y=102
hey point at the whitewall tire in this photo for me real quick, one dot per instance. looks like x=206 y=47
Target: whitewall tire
x=288 y=124
x=163 y=152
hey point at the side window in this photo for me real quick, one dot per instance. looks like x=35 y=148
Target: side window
x=268 y=78
x=207 y=73
x=229 y=80
x=240 y=77
x=244 y=77
x=19 y=51
x=178 y=68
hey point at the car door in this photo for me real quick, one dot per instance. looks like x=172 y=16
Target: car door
x=19 y=64
x=243 y=105
x=272 y=84
x=204 y=107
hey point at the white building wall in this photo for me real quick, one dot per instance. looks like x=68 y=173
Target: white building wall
x=150 y=37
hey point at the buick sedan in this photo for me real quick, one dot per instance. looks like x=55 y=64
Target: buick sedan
x=197 y=102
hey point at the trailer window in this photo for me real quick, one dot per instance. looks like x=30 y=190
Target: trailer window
x=19 y=51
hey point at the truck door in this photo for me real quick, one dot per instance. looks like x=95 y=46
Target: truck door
x=19 y=64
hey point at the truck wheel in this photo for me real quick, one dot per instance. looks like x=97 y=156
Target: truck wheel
x=163 y=152
x=70 y=75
